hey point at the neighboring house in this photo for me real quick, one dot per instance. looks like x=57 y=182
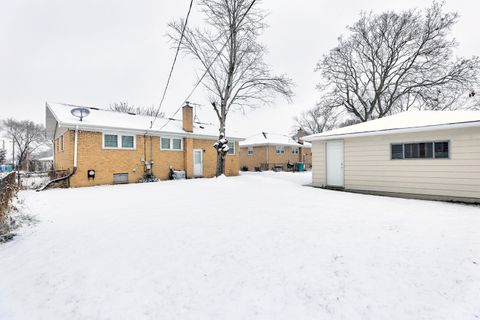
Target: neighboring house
x=42 y=164
x=267 y=151
x=114 y=147
x=422 y=154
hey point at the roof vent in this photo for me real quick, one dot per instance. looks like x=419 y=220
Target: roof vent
x=80 y=112
x=93 y=108
x=132 y=113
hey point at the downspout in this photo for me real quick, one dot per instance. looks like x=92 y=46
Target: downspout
x=75 y=151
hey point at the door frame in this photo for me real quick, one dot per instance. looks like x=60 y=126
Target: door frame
x=201 y=153
x=342 y=165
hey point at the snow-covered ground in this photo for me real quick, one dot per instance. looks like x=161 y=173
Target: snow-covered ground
x=259 y=246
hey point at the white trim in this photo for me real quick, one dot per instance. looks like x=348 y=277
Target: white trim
x=119 y=140
x=171 y=143
x=295 y=148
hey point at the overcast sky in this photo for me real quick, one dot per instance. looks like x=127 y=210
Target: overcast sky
x=95 y=52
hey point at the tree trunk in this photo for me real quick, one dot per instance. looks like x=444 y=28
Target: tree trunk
x=220 y=152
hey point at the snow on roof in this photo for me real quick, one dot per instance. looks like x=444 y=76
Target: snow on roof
x=410 y=121
x=104 y=120
x=265 y=138
x=50 y=158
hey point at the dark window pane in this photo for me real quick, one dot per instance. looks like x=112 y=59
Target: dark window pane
x=415 y=150
x=127 y=142
x=425 y=150
x=408 y=151
x=441 y=149
x=397 y=151
x=110 y=141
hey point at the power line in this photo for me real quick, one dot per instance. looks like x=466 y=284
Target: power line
x=211 y=64
x=173 y=65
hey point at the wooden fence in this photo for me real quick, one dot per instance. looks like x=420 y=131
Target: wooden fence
x=8 y=189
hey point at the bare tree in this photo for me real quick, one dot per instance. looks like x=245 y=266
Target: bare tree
x=125 y=107
x=393 y=62
x=318 y=119
x=27 y=136
x=3 y=155
x=232 y=59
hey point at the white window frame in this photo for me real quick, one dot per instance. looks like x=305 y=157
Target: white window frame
x=250 y=151
x=297 y=150
x=279 y=149
x=231 y=153
x=119 y=141
x=421 y=141
x=171 y=143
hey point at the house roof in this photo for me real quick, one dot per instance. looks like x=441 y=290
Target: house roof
x=410 y=121
x=264 y=138
x=106 y=120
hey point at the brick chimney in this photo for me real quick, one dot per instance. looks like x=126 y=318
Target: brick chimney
x=187 y=116
x=300 y=135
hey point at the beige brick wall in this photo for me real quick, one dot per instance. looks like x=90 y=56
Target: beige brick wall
x=268 y=154
x=106 y=162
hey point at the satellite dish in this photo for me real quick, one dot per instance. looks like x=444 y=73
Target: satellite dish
x=80 y=112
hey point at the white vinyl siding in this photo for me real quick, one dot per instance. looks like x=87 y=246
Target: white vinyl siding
x=368 y=164
x=169 y=143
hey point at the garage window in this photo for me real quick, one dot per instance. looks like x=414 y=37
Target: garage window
x=420 y=150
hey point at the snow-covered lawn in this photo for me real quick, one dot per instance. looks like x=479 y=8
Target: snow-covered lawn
x=259 y=246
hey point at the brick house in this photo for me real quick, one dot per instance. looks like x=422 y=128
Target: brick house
x=266 y=151
x=115 y=147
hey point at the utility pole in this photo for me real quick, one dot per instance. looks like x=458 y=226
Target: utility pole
x=13 y=152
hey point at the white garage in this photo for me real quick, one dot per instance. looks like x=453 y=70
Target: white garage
x=417 y=154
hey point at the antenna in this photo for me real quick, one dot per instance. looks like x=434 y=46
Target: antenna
x=80 y=112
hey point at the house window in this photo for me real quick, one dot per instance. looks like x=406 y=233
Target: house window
x=397 y=151
x=118 y=141
x=280 y=149
x=62 y=145
x=441 y=150
x=295 y=150
x=110 y=141
x=420 y=150
x=231 y=148
x=128 y=142
x=250 y=151
x=167 y=143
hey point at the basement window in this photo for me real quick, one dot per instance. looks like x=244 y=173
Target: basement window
x=167 y=143
x=119 y=178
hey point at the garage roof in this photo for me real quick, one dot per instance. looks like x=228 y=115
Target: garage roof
x=410 y=121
